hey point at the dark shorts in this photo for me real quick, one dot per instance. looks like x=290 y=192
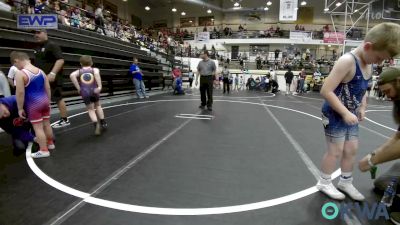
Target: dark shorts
x=336 y=130
x=56 y=91
x=88 y=99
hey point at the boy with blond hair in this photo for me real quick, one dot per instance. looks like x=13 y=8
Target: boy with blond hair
x=33 y=101
x=345 y=96
x=87 y=81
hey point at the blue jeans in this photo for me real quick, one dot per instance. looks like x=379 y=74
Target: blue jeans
x=139 y=87
x=300 y=87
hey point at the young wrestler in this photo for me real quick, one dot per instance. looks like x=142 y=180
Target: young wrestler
x=88 y=83
x=33 y=94
x=345 y=93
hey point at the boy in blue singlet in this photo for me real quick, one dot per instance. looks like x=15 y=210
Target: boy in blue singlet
x=33 y=101
x=87 y=81
x=345 y=96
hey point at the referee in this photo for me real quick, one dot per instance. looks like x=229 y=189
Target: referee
x=206 y=71
x=48 y=57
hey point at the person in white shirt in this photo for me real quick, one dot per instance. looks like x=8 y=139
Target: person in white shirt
x=4 y=87
x=11 y=76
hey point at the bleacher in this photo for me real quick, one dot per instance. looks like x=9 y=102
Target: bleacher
x=112 y=56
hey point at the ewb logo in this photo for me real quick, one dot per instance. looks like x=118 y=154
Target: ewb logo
x=376 y=211
x=37 y=21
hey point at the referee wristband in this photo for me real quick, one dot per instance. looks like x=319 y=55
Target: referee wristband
x=51 y=73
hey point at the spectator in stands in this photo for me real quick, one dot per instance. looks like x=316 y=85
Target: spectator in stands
x=99 y=19
x=49 y=58
x=75 y=18
x=4 y=86
x=240 y=29
x=63 y=18
x=31 y=6
x=138 y=79
x=288 y=78
x=40 y=6
x=206 y=71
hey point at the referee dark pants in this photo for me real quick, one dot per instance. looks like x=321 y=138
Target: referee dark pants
x=206 y=86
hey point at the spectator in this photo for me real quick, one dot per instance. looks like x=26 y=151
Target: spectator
x=138 y=79
x=99 y=19
x=190 y=75
x=75 y=18
x=288 y=78
x=4 y=86
x=31 y=6
x=11 y=76
x=40 y=7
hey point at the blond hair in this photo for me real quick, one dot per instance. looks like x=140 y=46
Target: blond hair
x=86 y=60
x=385 y=37
x=18 y=55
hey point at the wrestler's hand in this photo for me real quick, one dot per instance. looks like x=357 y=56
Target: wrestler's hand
x=22 y=113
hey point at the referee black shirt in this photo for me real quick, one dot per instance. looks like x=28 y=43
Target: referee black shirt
x=46 y=55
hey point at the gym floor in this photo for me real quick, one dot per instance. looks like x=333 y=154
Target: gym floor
x=253 y=160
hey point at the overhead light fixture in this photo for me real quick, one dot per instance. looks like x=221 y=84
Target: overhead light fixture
x=190 y=21
x=338 y=4
x=269 y=3
x=173 y=9
x=326 y=9
x=329 y=46
x=303 y=3
x=236 y=4
x=356 y=10
x=212 y=19
x=124 y=0
x=266 y=9
x=209 y=11
x=147 y=8
x=183 y=13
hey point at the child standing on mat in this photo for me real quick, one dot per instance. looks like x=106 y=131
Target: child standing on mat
x=33 y=101
x=346 y=100
x=88 y=83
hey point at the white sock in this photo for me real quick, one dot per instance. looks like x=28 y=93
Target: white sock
x=325 y=178
x=346 y=177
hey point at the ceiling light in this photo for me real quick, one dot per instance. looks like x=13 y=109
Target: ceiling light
x=147 y=8
x=266 y=9
x=209 y=11
x=190 y=21
x=329 y=46
x=269 y=3
x=356 y=10
x=326 y=9
x=338 y=4
x=173 y=10
x=124 y=0
x=303 y=3
x=236 y=4
x=183 y=13
x=212 y=19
